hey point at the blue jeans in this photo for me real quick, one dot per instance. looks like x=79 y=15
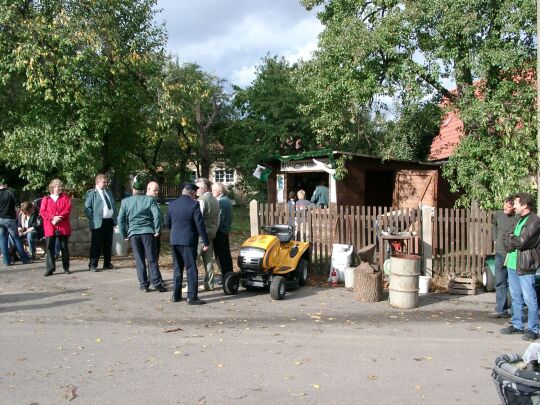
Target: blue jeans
x=501 y=285
x=9 y=227
x=31 y=239
x=522 y=289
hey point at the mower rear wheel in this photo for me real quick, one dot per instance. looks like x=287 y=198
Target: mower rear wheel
x=302 y=272
x=231 y=282
x=277 y=288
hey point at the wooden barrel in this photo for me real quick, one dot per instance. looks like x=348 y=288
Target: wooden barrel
x=404 y=272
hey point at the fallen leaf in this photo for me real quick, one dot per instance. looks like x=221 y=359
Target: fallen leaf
x=177 y=352
x=68 y=392
x=418 y=386
x=172 y=330
x=220 y=365
x=372 y=377
x=316 y=386
x=297 y=363
x=97 y=340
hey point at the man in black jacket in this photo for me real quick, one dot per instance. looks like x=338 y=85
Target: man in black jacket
x=522 y=263
x=8 y=224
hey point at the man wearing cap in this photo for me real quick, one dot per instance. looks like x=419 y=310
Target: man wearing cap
x=140 y=221
x=210 y=212
x=185 y=221
x=8 y=224
x=101 y=213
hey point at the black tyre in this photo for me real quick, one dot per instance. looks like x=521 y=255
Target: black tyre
x=278 y=288
x=231 y=282
x=488 y=279
x=302 y=272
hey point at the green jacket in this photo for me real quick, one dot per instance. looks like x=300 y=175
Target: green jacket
x=139 y=214
x=320 y=196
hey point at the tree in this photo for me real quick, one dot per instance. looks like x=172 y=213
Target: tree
x=198 y=99
x=266 y=120
x=428 y=51
x=78 y=79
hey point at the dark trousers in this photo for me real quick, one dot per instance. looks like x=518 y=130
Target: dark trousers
x=101 y=240
x=158 y=244
x=185 y=256
x=222 y=249
x=501 y=284
x=144 y=248
x=50 y=245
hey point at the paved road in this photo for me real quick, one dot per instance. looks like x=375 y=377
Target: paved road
x=98 y=333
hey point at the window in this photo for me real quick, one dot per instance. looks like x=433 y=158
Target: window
x=224 y=176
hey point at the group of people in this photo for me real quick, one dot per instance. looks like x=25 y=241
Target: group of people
x=516 y=233
x=200 y=221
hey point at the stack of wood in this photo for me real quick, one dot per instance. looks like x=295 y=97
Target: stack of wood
x=368 y=279
x=462 y=286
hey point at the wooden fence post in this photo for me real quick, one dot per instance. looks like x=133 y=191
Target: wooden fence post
x=427 y=240
x=254 y=217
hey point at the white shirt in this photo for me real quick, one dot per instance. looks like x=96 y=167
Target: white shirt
x=107 y=213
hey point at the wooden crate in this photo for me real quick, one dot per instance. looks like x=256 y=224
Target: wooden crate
x=462 y=286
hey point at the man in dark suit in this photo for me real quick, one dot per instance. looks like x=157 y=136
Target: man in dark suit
x=185 y=221
x=102 y=214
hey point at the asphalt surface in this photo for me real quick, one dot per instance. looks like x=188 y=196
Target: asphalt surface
x=93 y=338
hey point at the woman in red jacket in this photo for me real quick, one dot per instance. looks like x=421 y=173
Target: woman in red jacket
x=55 y=209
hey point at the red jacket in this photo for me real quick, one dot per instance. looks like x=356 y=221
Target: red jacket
x=49 y=208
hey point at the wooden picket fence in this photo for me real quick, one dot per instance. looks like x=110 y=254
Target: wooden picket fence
x=356 y=225
x=460 y=238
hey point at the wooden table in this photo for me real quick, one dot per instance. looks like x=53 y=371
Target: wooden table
x=406 y=239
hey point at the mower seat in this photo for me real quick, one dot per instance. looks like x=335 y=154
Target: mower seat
x=283 y=232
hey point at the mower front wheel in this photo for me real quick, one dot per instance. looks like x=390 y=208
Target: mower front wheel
x=277 y=288
x=231 y=282
x=302 y=272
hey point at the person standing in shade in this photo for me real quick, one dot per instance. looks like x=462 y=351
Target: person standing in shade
x=27 y=226
x=522 y=263
x=504 y=222
x=221 y=243
x=55 y=210
x=8 y=224
x=139 y=220
x=152 y=190
x=210 y=212
x=320 y=196
x=185 y=221
x=101 y=213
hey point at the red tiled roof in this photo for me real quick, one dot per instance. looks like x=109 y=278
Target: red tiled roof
x=450 y=133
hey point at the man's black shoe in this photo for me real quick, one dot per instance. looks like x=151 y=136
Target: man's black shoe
x=47 y=274
x=176 y=299
x=510 y=330
x=529 y=335
x=161 y=288
x=144 y=289
x=498 y=315
x=196 y=301
x=92 y=268
x=109 y=266
x=67 y=271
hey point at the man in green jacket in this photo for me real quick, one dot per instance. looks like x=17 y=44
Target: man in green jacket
x=140 y=220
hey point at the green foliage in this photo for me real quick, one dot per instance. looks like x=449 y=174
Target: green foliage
x=265 y=121
x=415 y=52
x=78 y=80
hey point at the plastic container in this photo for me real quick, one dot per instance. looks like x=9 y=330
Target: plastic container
x=349 y=277
x=341 y=258
x=423 y=284
x=404 y=281
x=119 y=245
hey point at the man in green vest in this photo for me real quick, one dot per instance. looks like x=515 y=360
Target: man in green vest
x=140 y=220
x=210 y=212
x=522 y=263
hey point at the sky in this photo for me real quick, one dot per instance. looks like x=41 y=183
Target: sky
x=230 y=37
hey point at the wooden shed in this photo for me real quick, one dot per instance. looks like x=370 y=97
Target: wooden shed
x=370 y=181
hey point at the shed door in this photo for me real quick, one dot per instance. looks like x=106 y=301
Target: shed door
x=413 y=187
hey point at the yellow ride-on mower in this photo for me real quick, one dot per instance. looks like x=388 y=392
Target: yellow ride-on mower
x=270 y=260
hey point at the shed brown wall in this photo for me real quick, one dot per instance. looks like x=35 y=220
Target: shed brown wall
x=413 y=187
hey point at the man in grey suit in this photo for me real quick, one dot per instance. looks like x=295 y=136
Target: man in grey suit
x=185 y=221
x=102 y=214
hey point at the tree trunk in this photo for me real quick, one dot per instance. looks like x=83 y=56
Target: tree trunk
x=368 y=286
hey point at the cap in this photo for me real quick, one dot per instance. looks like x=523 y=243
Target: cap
x=139 y=182
x=190 y=187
